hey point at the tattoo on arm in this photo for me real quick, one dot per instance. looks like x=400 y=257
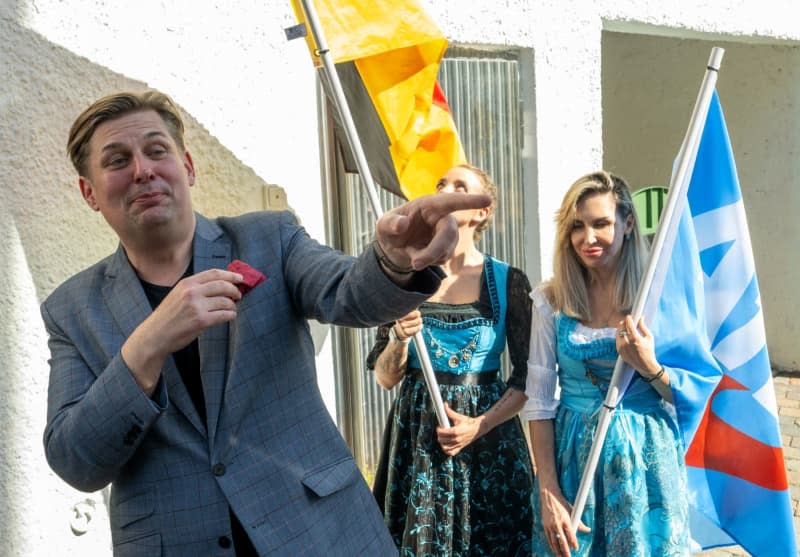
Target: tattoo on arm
x=394 y=358
x=498 y=407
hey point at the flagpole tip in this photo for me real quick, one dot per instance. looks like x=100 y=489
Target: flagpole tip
x=715 y=60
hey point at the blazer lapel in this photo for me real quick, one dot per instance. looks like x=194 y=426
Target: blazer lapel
x=128 y=304
x=212 y=251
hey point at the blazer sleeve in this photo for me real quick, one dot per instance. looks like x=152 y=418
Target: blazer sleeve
x=332 y=287
x=95 y=422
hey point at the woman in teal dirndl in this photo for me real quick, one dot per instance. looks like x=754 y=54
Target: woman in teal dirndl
x=637 y=504
x=464 y=490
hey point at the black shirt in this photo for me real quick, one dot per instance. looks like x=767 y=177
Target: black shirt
x=187 y=360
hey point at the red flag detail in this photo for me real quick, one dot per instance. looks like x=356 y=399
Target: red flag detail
x=439 y=98
x=719 y=446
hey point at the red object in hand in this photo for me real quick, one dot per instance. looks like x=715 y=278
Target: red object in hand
x=252 y=278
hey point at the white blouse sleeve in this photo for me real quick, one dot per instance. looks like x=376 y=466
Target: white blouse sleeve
x=542 y=384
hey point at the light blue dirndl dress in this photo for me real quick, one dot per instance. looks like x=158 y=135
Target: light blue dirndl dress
x=638 y=502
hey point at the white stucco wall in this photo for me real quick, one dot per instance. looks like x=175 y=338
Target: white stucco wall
x=250 y=102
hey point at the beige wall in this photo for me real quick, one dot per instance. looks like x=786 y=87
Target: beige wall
x=649 y=88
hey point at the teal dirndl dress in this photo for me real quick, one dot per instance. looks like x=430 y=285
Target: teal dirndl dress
x=637 y=505
x=478 y=502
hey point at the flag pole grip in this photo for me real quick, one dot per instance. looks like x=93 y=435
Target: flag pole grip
x=366 y=176
x=679 y=185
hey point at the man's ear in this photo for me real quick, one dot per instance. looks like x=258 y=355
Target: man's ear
x=87 y=190
x=188 y=164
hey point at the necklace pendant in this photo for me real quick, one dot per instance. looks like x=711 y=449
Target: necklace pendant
x=453 y=361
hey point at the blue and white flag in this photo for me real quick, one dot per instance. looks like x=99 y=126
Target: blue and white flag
x=705 y=310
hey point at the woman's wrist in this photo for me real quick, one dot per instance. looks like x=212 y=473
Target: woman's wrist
x=549 y=488
x=393 y=336
x=654 y=377
x=484 y=425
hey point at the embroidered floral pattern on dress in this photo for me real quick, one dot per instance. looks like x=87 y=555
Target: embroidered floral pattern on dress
x=478 y=502
x=637 y=505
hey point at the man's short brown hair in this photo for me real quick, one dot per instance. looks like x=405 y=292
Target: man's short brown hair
x=112 y=107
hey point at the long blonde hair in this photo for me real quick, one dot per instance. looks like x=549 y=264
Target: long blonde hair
x=567 y=290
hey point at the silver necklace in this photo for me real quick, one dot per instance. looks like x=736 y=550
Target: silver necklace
x=453 y=358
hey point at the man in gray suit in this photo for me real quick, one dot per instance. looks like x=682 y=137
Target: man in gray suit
x=198 y=404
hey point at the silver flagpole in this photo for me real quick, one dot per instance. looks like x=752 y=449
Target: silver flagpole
x=366 y=175
x=679 y=184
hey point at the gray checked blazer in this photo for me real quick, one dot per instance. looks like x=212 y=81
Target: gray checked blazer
x=269 y=448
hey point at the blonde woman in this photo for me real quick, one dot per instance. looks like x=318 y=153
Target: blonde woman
x=463 y=490
x=638 y=504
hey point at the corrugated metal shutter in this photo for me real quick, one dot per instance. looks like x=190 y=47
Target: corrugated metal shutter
x=483 y=91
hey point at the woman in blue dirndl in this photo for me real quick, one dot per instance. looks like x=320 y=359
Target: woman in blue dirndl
x=637 y=504
x=464 y=490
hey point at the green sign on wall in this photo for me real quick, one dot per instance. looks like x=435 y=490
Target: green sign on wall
x=648 y=203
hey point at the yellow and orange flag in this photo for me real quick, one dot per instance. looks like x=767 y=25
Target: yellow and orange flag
x=387 y=54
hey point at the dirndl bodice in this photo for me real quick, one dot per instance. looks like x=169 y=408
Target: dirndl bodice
x=471 y=346
x=585 y=370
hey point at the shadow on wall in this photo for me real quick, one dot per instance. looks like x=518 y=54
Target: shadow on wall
x=52 y=234
x=44 y=88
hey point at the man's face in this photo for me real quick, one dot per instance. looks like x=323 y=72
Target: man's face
x=138 y=177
